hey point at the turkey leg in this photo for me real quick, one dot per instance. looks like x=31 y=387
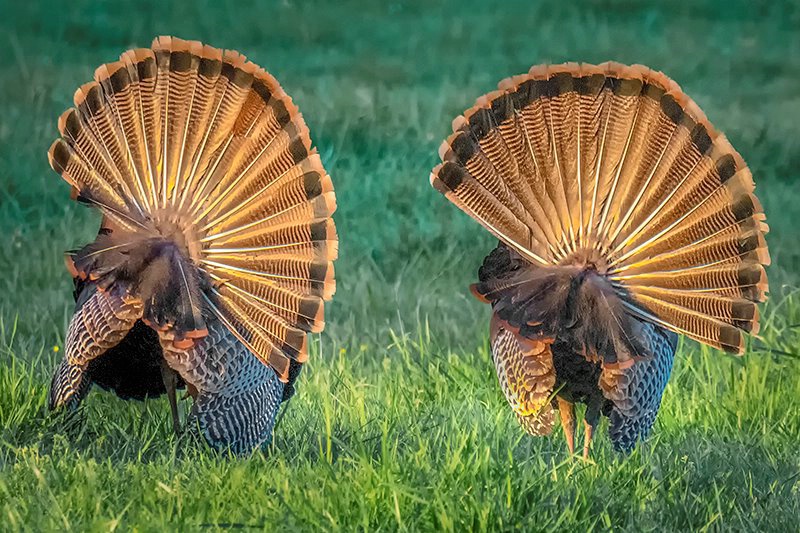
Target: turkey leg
x=170 y=378
x=567 y=412
x=590 y=421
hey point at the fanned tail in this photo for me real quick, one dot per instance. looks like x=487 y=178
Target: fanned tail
x=216 y=202
x=613 y=170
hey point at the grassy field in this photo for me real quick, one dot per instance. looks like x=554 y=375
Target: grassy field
x=399 y=423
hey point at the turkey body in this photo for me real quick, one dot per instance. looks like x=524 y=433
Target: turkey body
x=630 y=399
x=216 y=250
x=237 y=398
x=631 y=413
x=624 y=219
x=577 y=380
x=133 y=369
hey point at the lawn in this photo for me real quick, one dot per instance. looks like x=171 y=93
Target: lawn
x=399 y=423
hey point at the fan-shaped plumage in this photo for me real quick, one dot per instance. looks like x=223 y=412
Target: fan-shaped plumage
x=217 y=210
x=618 y=206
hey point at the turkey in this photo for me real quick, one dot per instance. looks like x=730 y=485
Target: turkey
x=623 y=219
x=215 y=253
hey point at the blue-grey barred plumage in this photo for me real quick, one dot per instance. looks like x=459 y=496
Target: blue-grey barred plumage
x=636 y=399
x=238 y=397
x=68 y=386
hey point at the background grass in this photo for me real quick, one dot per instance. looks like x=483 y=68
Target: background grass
x=399 y=422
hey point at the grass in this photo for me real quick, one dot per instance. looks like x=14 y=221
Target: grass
x=399 y=423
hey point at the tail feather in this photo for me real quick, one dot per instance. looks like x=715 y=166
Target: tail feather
x=532 y=195
x=262 y=331
x=486 y=161
x=592 y=101
x=733 y=244
x=92 y=187
x=563 y=118
x=614 y=170
x=218 y=145
x=118 y=80
x=682 y=167
x=100 y=119
x=620 y=107
x=312 y=212
x=300 y=183
x=219 y=203
x=288 y=151
x=306 y=311
x=143 y=72
x=288 y=232
x=708 y=330
x=647 y=142
x=466 y=192
x=711 y=210
x=184 y=62
x=535 y=120
x=704 y=221
x=742 y=280
x=737 y=311
x=277 y=141
x=84 y=142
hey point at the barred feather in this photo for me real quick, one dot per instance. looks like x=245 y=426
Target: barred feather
x=527 y=376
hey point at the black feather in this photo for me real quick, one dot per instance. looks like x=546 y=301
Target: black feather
x=576 y=305
x=132 y=368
